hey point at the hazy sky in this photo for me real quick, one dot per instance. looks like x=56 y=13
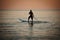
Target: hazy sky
x=30 y=4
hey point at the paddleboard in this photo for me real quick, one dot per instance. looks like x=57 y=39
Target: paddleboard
x=22 y=20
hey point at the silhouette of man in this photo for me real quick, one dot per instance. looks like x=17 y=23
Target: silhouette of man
x=31 y=16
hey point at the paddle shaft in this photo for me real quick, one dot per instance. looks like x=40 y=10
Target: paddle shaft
x=35 y=18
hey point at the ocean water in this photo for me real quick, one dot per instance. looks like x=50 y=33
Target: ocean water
x=29 y=31
x=13 y=29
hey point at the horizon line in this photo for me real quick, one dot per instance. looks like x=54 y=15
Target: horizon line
x=32 y=10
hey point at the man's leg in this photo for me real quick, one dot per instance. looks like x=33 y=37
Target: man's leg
x=28 y=18
x=32 y=19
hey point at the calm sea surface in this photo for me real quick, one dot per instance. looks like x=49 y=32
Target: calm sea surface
x=26 y=31
x=13 y=29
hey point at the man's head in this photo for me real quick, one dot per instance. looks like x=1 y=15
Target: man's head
x=30 y=10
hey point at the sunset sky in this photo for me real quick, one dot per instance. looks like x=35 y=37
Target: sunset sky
x=30 y=4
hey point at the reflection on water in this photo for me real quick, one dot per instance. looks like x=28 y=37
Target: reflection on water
x=29 y=31
x=30 y=24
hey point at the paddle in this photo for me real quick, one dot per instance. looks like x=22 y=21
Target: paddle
x=35 y=18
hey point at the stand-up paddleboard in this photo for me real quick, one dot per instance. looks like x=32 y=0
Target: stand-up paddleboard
x=22 y=20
